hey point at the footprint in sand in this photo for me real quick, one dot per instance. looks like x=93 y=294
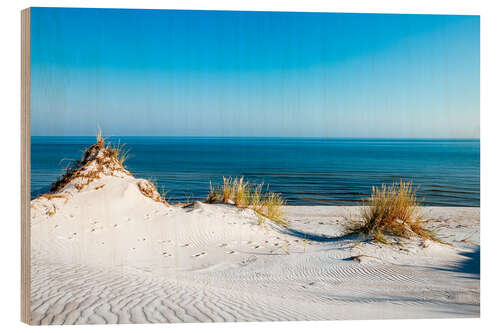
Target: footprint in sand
x=73 y=236
x=185 y=245
x=309 y=284
x=248 y=260
x=231 y=252
x=256 y=246
x=199 y=254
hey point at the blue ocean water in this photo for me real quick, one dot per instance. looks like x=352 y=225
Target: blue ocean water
x=307 y=171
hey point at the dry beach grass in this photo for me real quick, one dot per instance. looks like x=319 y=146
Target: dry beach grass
x=100 y=159
x=244 y=194
x=392 y=209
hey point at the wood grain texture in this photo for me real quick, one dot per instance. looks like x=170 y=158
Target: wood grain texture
x=25 y=167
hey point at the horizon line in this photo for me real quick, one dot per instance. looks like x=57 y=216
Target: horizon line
x=268 y=137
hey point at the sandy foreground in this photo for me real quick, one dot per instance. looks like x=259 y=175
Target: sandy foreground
x=109 y=254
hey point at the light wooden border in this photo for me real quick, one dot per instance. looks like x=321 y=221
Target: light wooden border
x=25 y=165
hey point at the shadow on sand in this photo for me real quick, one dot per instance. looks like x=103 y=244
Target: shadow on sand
x=321 y=238
x=471 y=264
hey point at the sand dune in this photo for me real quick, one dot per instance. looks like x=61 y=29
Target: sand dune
x=106 y=253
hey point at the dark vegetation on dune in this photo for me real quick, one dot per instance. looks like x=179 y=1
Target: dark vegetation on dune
x=108 y=160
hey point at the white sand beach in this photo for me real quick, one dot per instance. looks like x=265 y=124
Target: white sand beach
x=106 y=253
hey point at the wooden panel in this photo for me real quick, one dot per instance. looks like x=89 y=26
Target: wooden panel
x=25 y=167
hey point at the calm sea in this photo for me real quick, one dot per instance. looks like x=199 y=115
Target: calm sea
x=306 y=171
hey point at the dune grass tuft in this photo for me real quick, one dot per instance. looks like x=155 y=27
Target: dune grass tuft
x=244 y=194
x=99 y=138
x=392 y=209
x=52 y=211
x=119 y=152
x=151 y=189
x=272 y=207
x=241 y=192
x=53 y=196
x=107 y=158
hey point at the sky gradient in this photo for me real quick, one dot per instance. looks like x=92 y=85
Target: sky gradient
x=223 y=73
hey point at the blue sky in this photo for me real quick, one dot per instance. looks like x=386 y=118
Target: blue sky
x=223 y=73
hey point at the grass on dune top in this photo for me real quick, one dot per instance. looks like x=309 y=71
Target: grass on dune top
x=244 y=194
x=108 y=159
